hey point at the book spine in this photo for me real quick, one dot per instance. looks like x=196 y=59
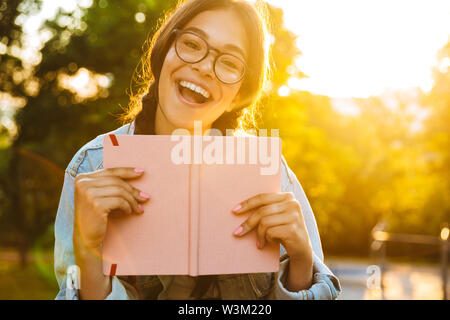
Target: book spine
x=194 y=212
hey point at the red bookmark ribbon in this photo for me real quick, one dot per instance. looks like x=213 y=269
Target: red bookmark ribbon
x=112 y=271
x=114 y=139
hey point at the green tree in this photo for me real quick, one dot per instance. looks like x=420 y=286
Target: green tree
x=437 y=136
x=102 y=39
x=13 y=84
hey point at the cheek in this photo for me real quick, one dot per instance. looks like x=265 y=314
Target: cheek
x=169 y=65
x=229 y=94
x=171 y=60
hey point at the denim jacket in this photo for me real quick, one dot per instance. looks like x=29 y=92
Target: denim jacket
x=235 y=286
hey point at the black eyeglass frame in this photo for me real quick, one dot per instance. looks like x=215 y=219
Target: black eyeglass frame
x=179 y=32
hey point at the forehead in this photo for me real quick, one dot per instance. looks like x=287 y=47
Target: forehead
x=222 y=28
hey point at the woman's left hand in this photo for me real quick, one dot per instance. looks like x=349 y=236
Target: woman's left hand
x=277 y=217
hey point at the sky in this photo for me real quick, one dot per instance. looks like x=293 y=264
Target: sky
x=359 y=48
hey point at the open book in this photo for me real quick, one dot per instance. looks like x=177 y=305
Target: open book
x=194 y=182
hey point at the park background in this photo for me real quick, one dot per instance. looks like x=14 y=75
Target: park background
x=360 y=90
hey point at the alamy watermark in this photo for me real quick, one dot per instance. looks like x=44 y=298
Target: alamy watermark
x=216 y=153
x=374 y=279
x=73 y=279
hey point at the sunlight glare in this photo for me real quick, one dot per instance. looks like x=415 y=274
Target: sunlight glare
x=361 y=48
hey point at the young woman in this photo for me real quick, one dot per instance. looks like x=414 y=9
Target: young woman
x=207 y=62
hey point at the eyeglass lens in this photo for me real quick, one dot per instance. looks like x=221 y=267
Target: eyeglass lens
x=191 y=48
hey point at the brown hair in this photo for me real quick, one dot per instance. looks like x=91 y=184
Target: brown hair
x=143 y=103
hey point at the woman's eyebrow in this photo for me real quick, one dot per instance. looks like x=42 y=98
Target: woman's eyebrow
x=228 y=46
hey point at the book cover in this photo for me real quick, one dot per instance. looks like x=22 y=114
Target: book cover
x=194 y=182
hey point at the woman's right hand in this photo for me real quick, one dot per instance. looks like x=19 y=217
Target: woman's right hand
x=97 y=195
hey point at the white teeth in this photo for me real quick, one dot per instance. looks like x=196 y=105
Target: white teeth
x=195 y=88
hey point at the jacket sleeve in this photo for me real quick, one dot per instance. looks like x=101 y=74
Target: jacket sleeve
x=325 y=285
x=64 y=265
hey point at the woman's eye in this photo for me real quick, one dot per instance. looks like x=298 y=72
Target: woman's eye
x=230 y=64
x=192 y=45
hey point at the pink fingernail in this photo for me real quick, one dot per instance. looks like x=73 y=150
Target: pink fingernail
x=236 y=208
x=141 y=208
x=238 y=231
x=144 y=195
x=138 y=170
x=258 y=245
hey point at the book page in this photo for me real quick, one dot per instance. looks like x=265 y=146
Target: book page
x=222 y=186
x=155 y=242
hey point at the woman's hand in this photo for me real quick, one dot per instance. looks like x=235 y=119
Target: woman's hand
x=99 y=194
x=277 y=217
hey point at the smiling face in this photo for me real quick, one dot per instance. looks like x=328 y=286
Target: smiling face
x=189 y=92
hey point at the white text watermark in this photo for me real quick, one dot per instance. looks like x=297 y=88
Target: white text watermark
x=224 y=151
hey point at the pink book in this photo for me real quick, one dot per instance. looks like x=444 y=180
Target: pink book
x=194 y=182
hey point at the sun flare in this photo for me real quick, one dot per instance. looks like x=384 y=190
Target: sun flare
x=353 y=48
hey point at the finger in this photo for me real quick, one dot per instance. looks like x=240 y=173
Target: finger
x=115 y=204
x=116 y=191
x=116 y=181
x=121 y=172
x=256 y=215
x=141 y=196
x=270 y=222
x=277 y=233
x=260 y=200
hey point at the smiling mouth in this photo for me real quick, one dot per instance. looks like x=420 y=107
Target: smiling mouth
x=193 y=93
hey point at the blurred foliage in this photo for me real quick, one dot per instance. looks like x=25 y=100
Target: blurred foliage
x=104 y=39
x=436 y=140
x=34 y=282
x=356 y=169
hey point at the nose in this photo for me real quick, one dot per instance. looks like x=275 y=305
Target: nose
x=206 y=66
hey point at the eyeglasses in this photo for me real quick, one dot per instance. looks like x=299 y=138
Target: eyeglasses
x=191 y=48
